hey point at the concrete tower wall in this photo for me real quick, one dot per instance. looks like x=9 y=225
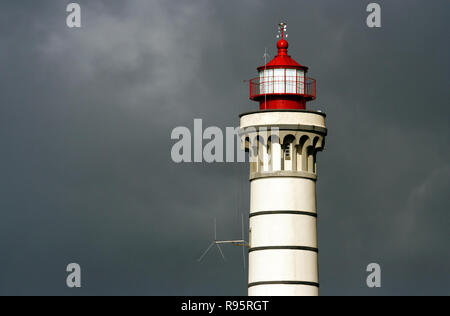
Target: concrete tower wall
x=283 y=235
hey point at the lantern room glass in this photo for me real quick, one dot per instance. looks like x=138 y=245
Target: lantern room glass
x=282 y=80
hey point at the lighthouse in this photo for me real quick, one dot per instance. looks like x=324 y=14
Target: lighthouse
x=283 y=139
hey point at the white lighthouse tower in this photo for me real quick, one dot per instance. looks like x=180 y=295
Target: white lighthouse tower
x=283 y=139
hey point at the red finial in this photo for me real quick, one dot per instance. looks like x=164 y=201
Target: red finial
x=282 y=46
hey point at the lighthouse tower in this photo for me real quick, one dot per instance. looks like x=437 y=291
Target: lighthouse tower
x=283 y=139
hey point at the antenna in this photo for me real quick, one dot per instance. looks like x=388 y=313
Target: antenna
x=243 y=249
x=234 y=242
x=266 y=55
x=215 y=238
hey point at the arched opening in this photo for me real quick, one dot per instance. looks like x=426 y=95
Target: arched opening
x=302 y=162
x=252 y=148
x=289 y=156
x=246 y=143
x=261 y=154
x=312 y=156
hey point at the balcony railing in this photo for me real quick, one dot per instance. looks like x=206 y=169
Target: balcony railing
x=291 y=85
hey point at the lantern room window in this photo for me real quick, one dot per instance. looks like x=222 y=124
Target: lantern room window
x=282 y=80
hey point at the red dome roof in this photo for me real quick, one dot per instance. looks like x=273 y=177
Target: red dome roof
x=282 y=59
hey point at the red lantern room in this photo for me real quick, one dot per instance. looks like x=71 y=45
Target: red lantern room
x=282 y=82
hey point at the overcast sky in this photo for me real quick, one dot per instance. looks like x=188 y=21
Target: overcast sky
x=85 y=122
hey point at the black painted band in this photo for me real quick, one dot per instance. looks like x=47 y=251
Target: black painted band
x=284 y=282
x=283 y=212
x=284 y=248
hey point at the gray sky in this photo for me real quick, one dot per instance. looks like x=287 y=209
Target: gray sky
x=85 y=122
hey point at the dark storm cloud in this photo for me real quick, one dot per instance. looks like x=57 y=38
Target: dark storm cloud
x=86 y=116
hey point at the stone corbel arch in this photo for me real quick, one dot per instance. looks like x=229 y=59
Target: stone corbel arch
x=302 y=152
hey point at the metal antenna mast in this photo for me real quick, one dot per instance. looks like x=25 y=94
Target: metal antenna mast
x=234 y=242
x=264 y=77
